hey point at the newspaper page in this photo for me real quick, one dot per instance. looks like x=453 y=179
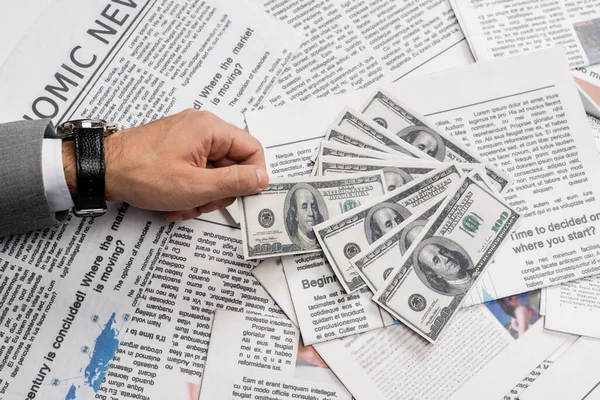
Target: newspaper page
x=573 y=376
x=347 y=36
x=531 y=124
x=502 y=28
x=323 y=309
x=573 y=305
x=353 y=44
x=254 y=356
x=595 y=126
x=69 y=292
x=163 y=353
x=495 y=377
x=66 y=294
x=270 y=275
x=130 y=62
x=394 y=362
x=401 y=365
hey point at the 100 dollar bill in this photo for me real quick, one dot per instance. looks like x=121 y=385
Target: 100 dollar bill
x=349 y=137
x=376 y=262
x=280 y=219
x=343 y=149
x=333 y=149
x=343 y=237
x=411 y=128
x=432 y=279
x=352 y=137
x=354 y=121
x=396 y=173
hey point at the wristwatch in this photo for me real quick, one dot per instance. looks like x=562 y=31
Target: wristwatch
x=88 y=135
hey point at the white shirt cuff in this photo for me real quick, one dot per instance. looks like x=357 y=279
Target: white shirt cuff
x=55 y=184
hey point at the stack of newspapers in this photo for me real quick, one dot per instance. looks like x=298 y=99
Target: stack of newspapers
x=387 y=264
x=405 y=216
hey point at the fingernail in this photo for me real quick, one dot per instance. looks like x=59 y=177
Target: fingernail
x=262 y=178
x=178 y=218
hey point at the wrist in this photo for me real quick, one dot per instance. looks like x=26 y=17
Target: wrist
x=68 y=158
x=111 y=152
x=112 y=157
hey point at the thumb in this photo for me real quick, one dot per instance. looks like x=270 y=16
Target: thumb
x=233 y=181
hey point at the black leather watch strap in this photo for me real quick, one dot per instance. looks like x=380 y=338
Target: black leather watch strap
x=89 y=155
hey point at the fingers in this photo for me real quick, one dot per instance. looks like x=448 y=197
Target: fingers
x=228 y=141
x=216 y=188
x=234 y=161
x=230 y=182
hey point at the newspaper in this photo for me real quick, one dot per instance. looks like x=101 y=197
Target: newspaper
x=331 y=149
x=595 y=126
x=500 y=122
x=132 y=62
x=572 y=376
x=78 y=285
x=345 y=35
x=499 y=28
x=573 y=307
x=164 y=343
x=163 y=353
x=323 y=309
x=264 y=356
x=494 y=379
x=395 y=363
x=352 y=45
x=202 y=270
x=66 y=295
x=270 y=275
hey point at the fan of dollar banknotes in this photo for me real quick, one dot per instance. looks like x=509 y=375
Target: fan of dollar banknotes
x=396 y=206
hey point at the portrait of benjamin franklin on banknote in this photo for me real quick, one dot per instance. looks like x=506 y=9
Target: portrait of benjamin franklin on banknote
x=382 y=218
x=304 y=208
x=424 y=139
x=395 y=178
x=410 y=233
x=443 y=266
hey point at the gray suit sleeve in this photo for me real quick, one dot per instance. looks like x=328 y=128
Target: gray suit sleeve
x=23 y=204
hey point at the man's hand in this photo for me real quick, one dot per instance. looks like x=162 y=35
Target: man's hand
x=167 y=165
